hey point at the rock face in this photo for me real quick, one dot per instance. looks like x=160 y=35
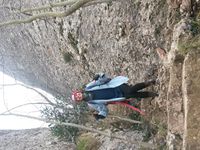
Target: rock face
x=175 y=111
x=183 y=103
x=183 y=93
x=116 y=38
x=32 y=139
x=191 y=88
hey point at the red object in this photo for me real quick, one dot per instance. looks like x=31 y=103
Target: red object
x=125 y=103
x=77 y=96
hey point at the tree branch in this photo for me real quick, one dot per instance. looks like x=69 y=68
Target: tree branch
x=69 y=11
x=9 y=110
x=16 y=10
x=28 y=87
x=51 y=5
x=141 y=144
x=125 y=119
x=64 y=3
x=75 y=5
x=42 y=95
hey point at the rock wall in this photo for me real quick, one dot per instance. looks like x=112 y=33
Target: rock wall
x=175 y=110
x=32 y=139
x=191 y=88
x=183 y=92
x=116 y=38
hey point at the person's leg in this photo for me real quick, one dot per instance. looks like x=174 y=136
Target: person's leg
x=130 y=89
x=125 y=88
x=142 y=85
x=143 y=94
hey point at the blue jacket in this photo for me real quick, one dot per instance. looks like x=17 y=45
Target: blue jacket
x=104 y=82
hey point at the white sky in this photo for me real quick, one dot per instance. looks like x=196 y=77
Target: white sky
x=12 y=96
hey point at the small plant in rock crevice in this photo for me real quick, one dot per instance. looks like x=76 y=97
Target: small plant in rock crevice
x=67 y=56
x=87 y=142
x=193 y=42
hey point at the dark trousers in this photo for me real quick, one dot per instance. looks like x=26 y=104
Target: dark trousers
x=133 y=91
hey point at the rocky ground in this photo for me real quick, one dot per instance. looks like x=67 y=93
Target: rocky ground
x=31 y=139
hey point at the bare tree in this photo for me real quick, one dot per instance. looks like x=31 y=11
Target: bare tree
x=74 y=5
x=108 y=134
x=49 y=102
x=33 y=89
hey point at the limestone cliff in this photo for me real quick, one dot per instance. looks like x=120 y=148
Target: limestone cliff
x=119 y=38
x=116 y=38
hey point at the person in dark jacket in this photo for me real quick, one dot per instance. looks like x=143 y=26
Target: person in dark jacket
x=104 y=90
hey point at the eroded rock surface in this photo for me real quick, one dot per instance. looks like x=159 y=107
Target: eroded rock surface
x=32 y=139
x=116 y=38
x=191 y=88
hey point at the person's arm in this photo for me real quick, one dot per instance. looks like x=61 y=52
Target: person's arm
x=98 y=79
x=101 y=109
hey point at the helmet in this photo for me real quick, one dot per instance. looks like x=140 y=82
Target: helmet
x=77 y=95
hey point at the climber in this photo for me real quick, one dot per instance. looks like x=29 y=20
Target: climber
x=104 y=90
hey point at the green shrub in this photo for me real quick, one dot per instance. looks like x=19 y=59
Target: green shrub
x=62 y=113
x=87 y=142
x=195 y=27
x=190 y=44
x=67 y=56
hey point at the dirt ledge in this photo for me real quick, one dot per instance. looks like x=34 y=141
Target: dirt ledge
x=191 y=95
